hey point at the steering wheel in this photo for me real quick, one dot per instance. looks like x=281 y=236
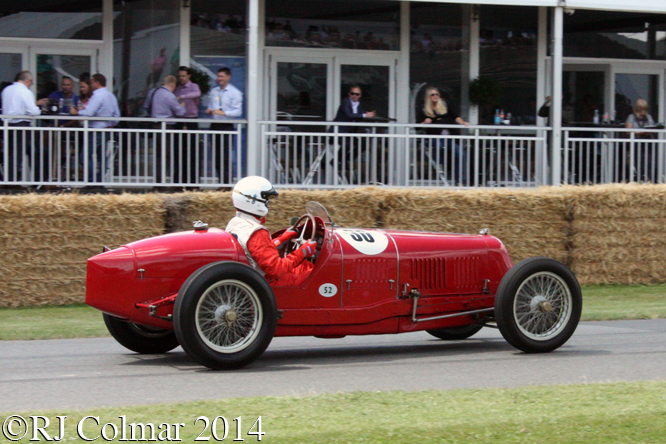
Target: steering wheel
x=300 y=240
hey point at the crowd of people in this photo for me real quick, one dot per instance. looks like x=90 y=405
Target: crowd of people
x=176 y=98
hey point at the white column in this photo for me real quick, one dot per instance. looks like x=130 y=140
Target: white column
x=471 y=60
x=253 y=106
x=556 y=107
x=105 y=58
x=542 y=54
x=541 y=161
x=402 y=95
x=185 y=14
x=402 y=92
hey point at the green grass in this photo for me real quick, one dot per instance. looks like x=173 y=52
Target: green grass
x=610 y=302
x=71 y=321
x=595 y=413
x=600 y=302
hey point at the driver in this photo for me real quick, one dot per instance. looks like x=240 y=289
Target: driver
x=251 y=196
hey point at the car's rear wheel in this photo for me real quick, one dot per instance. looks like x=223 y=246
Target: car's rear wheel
x=225 y=315
x=456 y=333
x=140 y=338
x=538 y=305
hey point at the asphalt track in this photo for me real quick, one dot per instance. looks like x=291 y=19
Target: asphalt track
x=86 y=373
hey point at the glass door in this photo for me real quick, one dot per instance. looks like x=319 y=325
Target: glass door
x=376 y=79
x=51 y=65
x=631 y=87
x=11 y=63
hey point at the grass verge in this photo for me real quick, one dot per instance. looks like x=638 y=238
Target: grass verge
x=594 y=413
x=600 y=302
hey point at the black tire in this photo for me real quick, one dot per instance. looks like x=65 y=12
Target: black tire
x=225 y=315
x=538 y=305
x=141 y=338
x=456 y=333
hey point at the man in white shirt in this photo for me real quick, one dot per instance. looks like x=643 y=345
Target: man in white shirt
x=102 y=103
x=225 y=104
x=18 y=100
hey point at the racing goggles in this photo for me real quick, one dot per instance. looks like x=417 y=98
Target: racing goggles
x=266 y=196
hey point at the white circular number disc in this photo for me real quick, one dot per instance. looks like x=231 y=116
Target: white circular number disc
x=328 y=290
x=366 y=242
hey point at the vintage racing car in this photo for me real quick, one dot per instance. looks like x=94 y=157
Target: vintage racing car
x=196 y=289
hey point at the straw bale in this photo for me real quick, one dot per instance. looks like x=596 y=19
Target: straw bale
x=46 y=240
x=354 y=208
x=529 y=222
x=617 y=233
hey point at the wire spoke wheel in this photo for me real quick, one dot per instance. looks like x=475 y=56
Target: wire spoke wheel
x=225 y=315
x=228 y=316
x=538 y=305
x=542 y=306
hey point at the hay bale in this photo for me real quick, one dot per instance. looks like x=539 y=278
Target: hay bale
x=531 y=222
x=617 y=234
x=354 y=208
x=46 y=240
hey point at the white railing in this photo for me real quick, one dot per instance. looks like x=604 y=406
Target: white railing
x=152 y=153
x=325 y=154
x=611 y=155
x=133 y=153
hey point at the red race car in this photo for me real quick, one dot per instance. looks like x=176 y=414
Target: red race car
x=196 y=289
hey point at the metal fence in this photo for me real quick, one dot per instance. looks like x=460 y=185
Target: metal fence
x=308 y=154
x=64 y=151
x=151 y=153
x=613 y=155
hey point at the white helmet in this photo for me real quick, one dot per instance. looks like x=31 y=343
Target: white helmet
x=251 y=195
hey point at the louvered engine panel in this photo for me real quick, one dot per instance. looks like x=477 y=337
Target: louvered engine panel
x=371 y=271
x=466 y=272
x=430 y=273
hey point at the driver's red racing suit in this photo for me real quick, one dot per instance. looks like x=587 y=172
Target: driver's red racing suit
x=263 y=255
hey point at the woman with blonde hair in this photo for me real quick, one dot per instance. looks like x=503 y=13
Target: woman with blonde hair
x=640 y=117
x=437 y=111
x=644 y=152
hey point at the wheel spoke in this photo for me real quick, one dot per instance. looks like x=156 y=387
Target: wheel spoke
x=228 y=316
x=541 y=305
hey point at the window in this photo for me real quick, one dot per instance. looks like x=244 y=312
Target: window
x=617 y=35
x=349 y=24
x=146 y=49
x=509 y=57
x=52 y=20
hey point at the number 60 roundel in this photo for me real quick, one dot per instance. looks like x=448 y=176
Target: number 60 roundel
x=366 y=242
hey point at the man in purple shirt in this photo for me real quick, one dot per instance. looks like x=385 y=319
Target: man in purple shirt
x=189 y=94
x=161 y=103
x=102 y=103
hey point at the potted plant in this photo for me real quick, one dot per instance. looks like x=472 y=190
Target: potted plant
x=486 y=94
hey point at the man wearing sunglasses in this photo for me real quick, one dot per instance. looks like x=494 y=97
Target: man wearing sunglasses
x=351 y=110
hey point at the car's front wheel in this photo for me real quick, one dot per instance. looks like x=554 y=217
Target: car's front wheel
x=225 y=315
x=538 y=305
x=140 y=338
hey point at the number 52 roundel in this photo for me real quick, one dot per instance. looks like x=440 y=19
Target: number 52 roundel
x=366 y=242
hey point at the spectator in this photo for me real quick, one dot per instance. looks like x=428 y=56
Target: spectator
x=351 y=110
x=18 y=100
x=102 y=104
x=645 y=152
x=437 y=111
x=66 y=94
x=226 y=103
x=189 y=94
x=161 y=103
x=640 y=118
x=85 y=91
